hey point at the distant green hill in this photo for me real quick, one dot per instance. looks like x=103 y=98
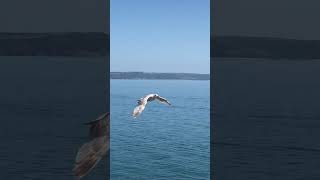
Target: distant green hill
x=264 y=47
x=143 y=75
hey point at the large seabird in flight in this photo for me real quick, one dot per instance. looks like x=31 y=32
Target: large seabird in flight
x=143 y=102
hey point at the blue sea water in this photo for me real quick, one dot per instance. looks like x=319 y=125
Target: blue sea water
x=265 y=125
x=164 y=142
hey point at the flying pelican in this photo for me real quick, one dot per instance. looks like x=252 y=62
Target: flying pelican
x=143 y=102
x=92 y=152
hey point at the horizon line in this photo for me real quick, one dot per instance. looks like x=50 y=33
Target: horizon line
x=159 y=72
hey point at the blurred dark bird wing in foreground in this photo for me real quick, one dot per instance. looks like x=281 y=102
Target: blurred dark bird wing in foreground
x=100 y=126
x=92 y=152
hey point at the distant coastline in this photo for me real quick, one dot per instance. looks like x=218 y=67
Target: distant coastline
x=97 y=44
x=264 y=48
x=159 y=76
x=74 y=44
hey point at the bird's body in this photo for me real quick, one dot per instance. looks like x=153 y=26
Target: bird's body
x=143 y=102
x=92 y=152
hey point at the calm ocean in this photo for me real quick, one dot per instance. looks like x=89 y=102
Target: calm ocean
x=265 y=125
x=164 y=142
x=43 y=105
x=267 y=119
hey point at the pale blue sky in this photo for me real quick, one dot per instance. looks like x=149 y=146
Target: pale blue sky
x=160 y=35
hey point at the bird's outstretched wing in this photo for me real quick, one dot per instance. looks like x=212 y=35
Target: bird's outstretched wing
x=100 y=126
x=141 y=105
x=138 y=110
x=92 y=152
x=147 y=98
x=89 y=155
x=163 y=100
x=143 y=102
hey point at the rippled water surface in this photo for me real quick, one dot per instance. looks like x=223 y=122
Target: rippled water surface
x=164 y=142
x=266 y=119
x=43 y=104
